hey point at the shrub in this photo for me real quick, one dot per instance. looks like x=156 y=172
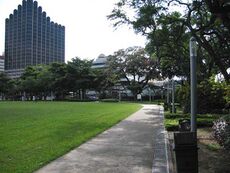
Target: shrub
x=171 y=121
x=221 y=132
x=109 y=100
x=213 y=97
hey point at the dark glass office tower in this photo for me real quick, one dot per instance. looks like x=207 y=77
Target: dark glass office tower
x=31 y=38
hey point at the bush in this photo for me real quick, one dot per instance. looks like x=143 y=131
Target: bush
x=78 y=100
x=221 y=132
x=109 y=100
x=213 y=97
x=171 y=121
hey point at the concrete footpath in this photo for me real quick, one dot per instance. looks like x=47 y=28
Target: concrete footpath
x=135 y=145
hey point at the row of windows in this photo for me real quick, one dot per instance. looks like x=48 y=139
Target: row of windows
x=33 y=51
x=29 y=35
x=25 y=39
x=38 y=47
x=23 y=19
x=29 y=61
x=31 y=28
x=33 y=58
x=33 y=25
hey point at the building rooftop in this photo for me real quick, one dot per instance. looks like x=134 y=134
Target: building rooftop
x=100 y=61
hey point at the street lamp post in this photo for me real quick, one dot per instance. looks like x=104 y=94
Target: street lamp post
x=185 y=143
x=150 y=99
x=193 y=57
x=173 y=97
x=168 y=92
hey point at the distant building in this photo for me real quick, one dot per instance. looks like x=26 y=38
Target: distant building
x=2 y=63
x=100 y=61
x=31 y=38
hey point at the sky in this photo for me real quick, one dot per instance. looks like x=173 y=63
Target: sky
x=88 y=31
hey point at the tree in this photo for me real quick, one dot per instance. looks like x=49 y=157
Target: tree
x=58 y=82
x=103 y=80
x=4 y=84
x=44 y=81
x=28 y=80
x=169 y=44
x=220 y=9
x=135 y=66
x=79 y=75
x=211 y=35
x=41 y=80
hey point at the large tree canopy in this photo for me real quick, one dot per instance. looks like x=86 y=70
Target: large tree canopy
x=154 y=18
x=133 y=67
x=79 y=74
x=220 y=9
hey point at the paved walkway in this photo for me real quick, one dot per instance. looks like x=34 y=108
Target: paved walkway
x=135 y=145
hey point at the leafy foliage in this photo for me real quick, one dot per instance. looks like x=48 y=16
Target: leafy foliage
x=133 y=67
x=4 y=82
x=110 y=100
x=168 y=31
x=171 y=120
x=211 y=97
x=103 y=80
x=57 y=79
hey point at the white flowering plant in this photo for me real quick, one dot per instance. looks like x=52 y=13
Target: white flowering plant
x=221 y=132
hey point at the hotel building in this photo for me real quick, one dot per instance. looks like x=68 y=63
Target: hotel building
x=31 y=38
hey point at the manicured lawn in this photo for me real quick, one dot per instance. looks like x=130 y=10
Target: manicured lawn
x=34 y=133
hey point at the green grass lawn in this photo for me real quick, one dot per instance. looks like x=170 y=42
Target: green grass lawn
x=34 y=133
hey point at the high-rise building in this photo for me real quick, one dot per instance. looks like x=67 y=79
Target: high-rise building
x=31 y=38
x=2 y=64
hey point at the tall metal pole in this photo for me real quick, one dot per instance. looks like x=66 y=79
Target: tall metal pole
x=162 y=93
x=173 y=97
x=193 y=57
x=150 y=99
x=81 y=94
x=168 y=93
x=119 y=95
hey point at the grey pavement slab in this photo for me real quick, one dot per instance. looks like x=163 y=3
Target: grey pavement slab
x=135 y=145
